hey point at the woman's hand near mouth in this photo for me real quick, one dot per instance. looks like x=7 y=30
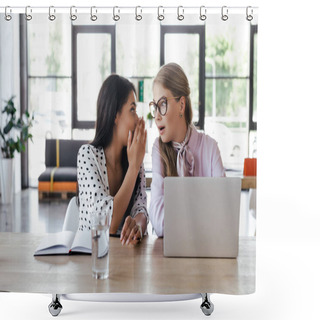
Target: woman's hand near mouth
x=136 y=147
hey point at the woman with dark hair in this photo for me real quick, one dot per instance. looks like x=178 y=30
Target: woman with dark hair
x=110 y=171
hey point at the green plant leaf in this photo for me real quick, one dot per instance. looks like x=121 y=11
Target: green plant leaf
x=8 y=127
x=10 y=145
x=9 y=109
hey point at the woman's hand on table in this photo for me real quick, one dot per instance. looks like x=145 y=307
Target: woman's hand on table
x=131 y=233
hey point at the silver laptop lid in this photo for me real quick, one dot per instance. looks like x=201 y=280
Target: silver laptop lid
x=201 y=216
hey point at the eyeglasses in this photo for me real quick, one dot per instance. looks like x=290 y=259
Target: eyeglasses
x=161 y=105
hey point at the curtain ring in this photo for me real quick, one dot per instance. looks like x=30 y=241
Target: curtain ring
x=138 y=16
x=180 y=16
x=224 y=13
x=27 y=15
x=203 y=15
x=93 y=17
x=116 y=17
x=73 y=16
x=7 y=16
x=160 y=16
x=52 y=17
x=249 y=16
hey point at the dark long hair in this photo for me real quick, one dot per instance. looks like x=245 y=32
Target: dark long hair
x=114 y=93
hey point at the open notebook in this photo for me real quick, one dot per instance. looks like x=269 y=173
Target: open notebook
x=70 y=239
x=65 y=242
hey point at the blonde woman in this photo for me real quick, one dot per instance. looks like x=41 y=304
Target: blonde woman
x=180 y=150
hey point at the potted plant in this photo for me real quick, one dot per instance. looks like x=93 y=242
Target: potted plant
x=13 y=135
x=150 y=119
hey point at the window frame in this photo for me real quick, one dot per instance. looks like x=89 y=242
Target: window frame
x=77 y=29
x=252 y=124
x=24 y=92
x=111 y=29
x=190 y=29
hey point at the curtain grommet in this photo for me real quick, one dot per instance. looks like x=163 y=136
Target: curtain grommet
x=116 y=17
x=249 y=17
x=138 y=16
x=52 y=10
x=7 y=16
x=224 y=13
x=73 y=16
x=93 y=17
x=180 y=15
x=203 y=15
x=160 y=16
x=28 y=16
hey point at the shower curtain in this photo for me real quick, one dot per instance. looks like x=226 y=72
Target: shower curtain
x=65 y=56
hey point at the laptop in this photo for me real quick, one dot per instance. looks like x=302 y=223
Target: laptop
x=201 y=217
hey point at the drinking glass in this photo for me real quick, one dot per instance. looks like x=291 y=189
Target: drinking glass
x=100 y=246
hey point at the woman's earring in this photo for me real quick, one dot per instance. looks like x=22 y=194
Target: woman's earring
x=180 y=115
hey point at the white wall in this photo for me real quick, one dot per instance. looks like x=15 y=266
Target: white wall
x=10 y=74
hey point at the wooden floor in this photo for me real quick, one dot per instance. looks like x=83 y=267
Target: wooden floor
x=27 y=214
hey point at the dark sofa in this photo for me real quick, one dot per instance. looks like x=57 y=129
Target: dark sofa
x=60 y=175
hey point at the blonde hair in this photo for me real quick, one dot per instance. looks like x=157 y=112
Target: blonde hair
x=172 y=77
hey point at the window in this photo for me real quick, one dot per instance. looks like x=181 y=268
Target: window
x=185 y=45
x=218 y=57
x=138 y=59
x=227 y=88
x=49 y=86
x=93 y=60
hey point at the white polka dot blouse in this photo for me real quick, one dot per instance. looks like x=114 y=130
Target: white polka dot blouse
x=94 y=194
